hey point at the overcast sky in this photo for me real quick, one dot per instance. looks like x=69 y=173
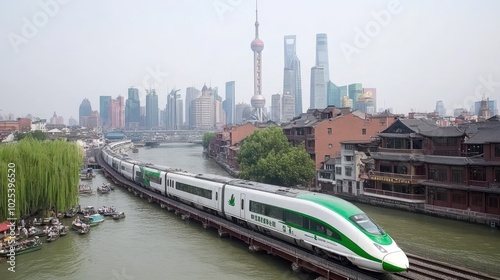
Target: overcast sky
x=414 y=52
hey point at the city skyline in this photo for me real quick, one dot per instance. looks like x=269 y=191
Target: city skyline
x=402 y=48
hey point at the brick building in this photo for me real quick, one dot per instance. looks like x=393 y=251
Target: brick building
x=19 y=125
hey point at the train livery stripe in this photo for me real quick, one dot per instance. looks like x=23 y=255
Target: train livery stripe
x=346 y=210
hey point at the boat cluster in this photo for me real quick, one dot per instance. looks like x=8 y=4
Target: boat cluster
x=28 y=236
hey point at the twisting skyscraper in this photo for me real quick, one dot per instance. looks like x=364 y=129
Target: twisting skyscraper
x=258 y=101
x=292 y=83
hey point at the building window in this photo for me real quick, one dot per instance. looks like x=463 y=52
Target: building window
x=348 y=171
x=497 y=176
x=457 y=175
x=348 y=158
x=338 y=170
x=458 y=198
x=493 y=201
x=330 y=146
x=476 y=200
x=478 y=174
x=439 y=174
x=441 y=195
x=349 y=147
x=474 y=150
x=363 y=131
x=329 y=131
x=401 y=169
x=497 y=150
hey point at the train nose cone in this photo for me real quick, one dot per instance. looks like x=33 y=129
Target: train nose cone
x=395 y=262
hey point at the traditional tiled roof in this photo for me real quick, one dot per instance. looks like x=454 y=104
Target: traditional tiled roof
x=457 y=186
x=433 y=159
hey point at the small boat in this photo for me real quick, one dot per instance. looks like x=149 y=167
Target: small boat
x=107 y=211
x=23 y=247
x=105 y=188
x=80 y=226
x=63 y=230
x=84 y=189
x=118 y=216
x=94 y=220
x=53 y=234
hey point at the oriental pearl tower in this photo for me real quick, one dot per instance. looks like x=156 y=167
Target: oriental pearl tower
x=258 y=100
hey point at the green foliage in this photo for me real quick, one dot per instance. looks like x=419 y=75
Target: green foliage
x=207 y=138
x=37 y=134
x=46 y=176
x=267 y=157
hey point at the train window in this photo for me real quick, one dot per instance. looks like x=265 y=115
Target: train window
x=367 y=224
x=276 y=212
x=317 y=226
x=293 y=218
x=216 y=196
x=242 y=204
x=333 y=234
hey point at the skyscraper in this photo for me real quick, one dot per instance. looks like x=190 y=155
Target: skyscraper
x=292 y=82
x=118 y=112
x=105 y=111
x=333 y=96
x=258 y=101
x=322 y=54
x=173 y=121
x=318 y=99
x=492 y=105
x=191 y=94
x=133 y=109
x=440 y=110
x=288 y=107
x=85 y=111
x=152 y=110
x=355 y=91
x=276 y=107
x=229 y=103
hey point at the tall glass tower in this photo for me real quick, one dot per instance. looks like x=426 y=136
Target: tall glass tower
x=322 y=54
x=133 y=109
x=84 y=112
x=105 y=111
x=152 y=111
x=320 y=74
x=229 y=103
x=292 y=83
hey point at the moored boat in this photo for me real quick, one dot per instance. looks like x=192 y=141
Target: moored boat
x=94 y=220
x=22 y=247
x=118 y=216
x=84 y=189
x=80 y=226
x=53 y=234
x=105 y=188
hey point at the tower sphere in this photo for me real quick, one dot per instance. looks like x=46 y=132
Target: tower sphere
x=258 y=101
x=257 y=45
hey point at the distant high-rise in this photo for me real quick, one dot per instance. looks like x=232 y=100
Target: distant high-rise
x=492 y=105
x=152 y=110
x=318 y=98
x=202 y=110
x=240 y=113
x=276 y=107
x=105 y=111
x=229 y=103
x=355 y=91
x=440 y=110
x=258 y=101
x=288 y=107
x=173 y=120
x=322 y=55
x=118 y=112
x=367 y=101
x=85 y=111
x=191 y=94
x=72 y=121
x=133 y=109
x=292 y=82
x=333 y=96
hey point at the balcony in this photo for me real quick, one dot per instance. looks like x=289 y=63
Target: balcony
x=394 y=178
x=419 y=198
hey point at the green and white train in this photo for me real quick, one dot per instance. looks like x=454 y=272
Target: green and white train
x=327 y=225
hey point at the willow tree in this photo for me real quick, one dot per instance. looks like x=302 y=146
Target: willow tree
x=46 y=176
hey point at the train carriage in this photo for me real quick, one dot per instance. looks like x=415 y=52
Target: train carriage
x=128 y=168
x=186 y=187
x=151 y=178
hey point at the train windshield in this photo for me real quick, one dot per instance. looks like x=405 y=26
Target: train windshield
x=364 y=222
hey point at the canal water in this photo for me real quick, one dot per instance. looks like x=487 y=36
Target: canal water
x=151 y=243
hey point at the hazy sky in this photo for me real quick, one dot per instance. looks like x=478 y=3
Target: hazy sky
x=54 y=55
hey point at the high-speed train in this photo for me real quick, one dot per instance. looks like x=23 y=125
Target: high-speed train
x=327 y=225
